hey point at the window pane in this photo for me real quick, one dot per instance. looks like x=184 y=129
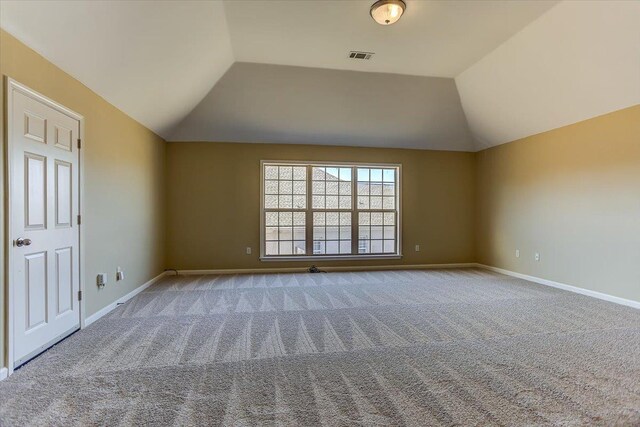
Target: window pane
x=364 y=218
x=376 y=232
x=345 y=188
x=299 y=233
x=317 y=187
x=318 y=218
x=389 y=246
x=286 y=218
x=363 y=174
x=271 y=218
x=389 y=218
x=376 y=175
x=376 y=218
x=375 y=189
x=345 y=218
x=271 y=172
x=271 y=248
x=270 y=202
x=299 y=202
x=318 y=202
x=345 y=233
x=286 y=248
x=388 y=202
x=332 y=202
x=285 y=233
x=332 y=174
x=271 y=233
x=299 y=187
x=345 y=174
x=299 y=247
x=299 y=218
x=318 y=173
x=286 y=187
x=300 y=172
x=285 y=202
x=332 y=247
x=332 y=187
x=363 y=188
x=271 y=187
x=376 y=246
x=345 y=202
x=318 y=233
x=286 y=172
x=376 y=202
x=332 y=233
x=389 y=232
x=363 y=202
x=389 y=175
x=333 y=218
x=345 y=247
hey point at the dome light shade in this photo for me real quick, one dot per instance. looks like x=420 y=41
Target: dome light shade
x=387 y=12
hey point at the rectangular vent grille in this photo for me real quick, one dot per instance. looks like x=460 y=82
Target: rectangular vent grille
x=360 y=55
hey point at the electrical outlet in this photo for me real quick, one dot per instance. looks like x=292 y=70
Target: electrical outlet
x=417 y=248
x=537 y=256
x=517 y=253
x=101 y=280
x=119 y=274
x=248 y=250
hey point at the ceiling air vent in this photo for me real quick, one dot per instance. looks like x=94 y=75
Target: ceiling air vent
x=360 y=55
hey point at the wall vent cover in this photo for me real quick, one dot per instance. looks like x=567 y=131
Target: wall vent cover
x=354 y=54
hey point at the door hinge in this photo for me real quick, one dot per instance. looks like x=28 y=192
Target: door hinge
x=79 y=295
x=79 y=143
x=79 y=219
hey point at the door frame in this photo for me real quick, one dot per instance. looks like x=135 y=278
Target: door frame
x=11 y=86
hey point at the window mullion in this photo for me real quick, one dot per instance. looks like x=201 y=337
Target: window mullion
x=354 y=211
x=309 y=214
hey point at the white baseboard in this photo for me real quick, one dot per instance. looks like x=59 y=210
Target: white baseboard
x=328 y=268
x=563 y=286
x=102 y=312
x=4 y=373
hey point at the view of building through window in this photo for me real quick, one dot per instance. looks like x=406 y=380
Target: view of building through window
x=319 y=210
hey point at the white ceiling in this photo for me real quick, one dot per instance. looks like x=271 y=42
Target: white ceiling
x=577 y=61
x=154 y=60
x=434 y=38
x=286 y=104
x=522 y=67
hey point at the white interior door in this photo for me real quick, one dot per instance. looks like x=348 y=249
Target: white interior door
x=44 y=183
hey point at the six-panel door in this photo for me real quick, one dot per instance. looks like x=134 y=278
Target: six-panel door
x=44 y=205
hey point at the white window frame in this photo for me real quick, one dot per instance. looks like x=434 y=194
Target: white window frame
x=354 y=211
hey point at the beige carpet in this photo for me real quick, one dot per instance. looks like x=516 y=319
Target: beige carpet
x=421 y=348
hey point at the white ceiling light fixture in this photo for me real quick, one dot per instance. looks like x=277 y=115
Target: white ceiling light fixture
x=387 y=12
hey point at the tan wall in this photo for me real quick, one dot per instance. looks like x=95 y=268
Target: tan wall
x=123 y=182
x=572 y=194
x=213 y=202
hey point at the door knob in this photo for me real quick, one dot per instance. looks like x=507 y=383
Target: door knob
x=22 y=242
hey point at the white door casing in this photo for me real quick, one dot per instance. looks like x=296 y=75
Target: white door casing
x=44 y=245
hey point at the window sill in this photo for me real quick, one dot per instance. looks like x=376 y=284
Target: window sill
x=329 y=258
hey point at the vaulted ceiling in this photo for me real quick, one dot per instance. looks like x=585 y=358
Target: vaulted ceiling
x=456 y=75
